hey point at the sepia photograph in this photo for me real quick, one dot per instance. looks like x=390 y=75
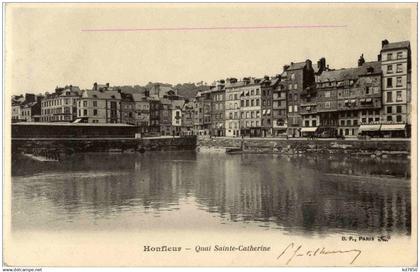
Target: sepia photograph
x=209 y=134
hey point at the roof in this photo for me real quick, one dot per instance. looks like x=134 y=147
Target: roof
x=178 y=104
x=139 y=97
x=396 y=45
x=101 y=95
x=350 y=73
x=297 y=66
x=71 y=124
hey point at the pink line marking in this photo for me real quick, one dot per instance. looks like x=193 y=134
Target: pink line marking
x=208 y=28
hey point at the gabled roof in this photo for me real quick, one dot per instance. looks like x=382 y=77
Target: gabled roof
x=396 y=45
x=177 y=104
x=350 y=73
x=139 y=97
x=297 y=66
x=101 y=95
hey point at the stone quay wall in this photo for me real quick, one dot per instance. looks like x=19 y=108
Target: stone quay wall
x=380 y=147
x=48 y=146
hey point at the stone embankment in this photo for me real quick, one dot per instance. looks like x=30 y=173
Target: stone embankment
x=52 y=148
x=374 y=148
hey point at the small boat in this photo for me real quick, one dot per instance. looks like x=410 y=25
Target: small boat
x=232 y=151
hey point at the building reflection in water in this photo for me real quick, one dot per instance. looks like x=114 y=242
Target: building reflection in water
x=297 y=194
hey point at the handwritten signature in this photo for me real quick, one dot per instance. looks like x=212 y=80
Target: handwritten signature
x=292 y=251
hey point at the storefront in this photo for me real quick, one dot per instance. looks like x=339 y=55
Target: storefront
x=372 y=130
x=394 y=131
x=308 y=131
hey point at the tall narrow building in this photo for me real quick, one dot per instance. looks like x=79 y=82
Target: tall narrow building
x=396 y=68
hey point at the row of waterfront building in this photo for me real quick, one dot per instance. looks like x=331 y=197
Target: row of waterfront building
x=304 y=99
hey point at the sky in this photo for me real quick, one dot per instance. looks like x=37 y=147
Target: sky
x=49 y=45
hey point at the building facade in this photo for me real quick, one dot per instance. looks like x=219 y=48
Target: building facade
x=232 y=107
x=99 y=107
x=250 y=108
x=396 y=85
x=299 y=76
x=218 y=109
x=60 y=106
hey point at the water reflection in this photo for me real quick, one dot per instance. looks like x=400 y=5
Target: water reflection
x=296 y=194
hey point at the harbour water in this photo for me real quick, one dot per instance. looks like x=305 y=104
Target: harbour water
x=314 y=195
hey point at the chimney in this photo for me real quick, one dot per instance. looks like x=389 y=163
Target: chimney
x=321 y=64
x=384 y=42
x=266 y=78
x=360 y=61
x=379 y=57
x=285 y=67
x=107 y=85
x=95 y=86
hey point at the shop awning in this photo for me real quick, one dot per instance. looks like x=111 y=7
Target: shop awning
x=393 y=127
x=309 y=129
x=77 y=120
x=369 y=128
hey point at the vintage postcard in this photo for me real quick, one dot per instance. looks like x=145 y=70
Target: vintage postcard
x=210 y=134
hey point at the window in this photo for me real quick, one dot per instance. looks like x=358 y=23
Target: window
x=389 y=118
x=292 y=76
x=314 y=123
x=399 y=81
x=230 y=115
x=235 y=96
x=95 y=103
x=84 y=103
x=389 y=97
x=388 y=109
x=399 y=68
x=242 y=103
x=354 y=122
x=349 y=122
x=398 y=109
x=399 y=118
x=257 y=102
x=389 y=56
x=327 y=105
x=295 y=97
x=95 y=112
x=85 y=112
x=307 y=123
x=252 y=102
x=399 y=55
x=247 y=103
x=389 y=69
x=327 y=94
x=290 y=109
x=257 y=114
x=252 y=114
x=342 y=122
x=389 y=82
x=296 y=108
x=295 y=86
x=399 y=96
x=257 y=91
x=363 y=120
x=290 y=86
